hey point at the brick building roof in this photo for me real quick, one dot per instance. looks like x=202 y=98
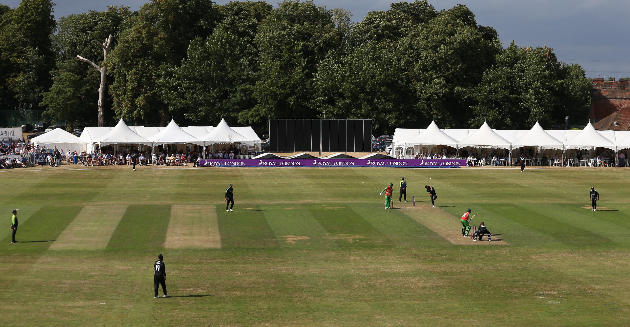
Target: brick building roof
x=617 y=121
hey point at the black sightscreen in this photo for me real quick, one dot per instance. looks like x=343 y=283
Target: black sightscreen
x=341 y=134
x=282 y=131
x=334 y=135
x=273 y=135
x=290 y=145
x=289 y=135
x=306 y=136
x=315 y=131
x=358 y=136
x=367 y=135
x=350 y=135
x=325 y=135
x=299 y=146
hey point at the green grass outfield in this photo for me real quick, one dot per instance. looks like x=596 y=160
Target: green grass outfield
x=314 y=247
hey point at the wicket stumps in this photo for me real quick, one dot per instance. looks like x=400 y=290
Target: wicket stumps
x=473 y=230
x=414 y=200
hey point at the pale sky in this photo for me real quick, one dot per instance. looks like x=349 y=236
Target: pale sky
x=591 y=33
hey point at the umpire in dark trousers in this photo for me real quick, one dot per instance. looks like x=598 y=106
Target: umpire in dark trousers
x=229 y=199
x=403 y=190
x=14 y=226
x=160 y=276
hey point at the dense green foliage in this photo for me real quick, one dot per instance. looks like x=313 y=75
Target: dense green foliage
x=196 y=61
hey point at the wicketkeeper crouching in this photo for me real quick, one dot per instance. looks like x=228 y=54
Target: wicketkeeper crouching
x=481 y=231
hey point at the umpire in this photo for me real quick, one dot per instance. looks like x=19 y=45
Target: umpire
x=594 y=195
x=229 y=198
x=160 y=276
x=403 y=190
x=14 y=226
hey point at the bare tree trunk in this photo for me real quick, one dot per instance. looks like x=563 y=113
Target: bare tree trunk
x=103 y=71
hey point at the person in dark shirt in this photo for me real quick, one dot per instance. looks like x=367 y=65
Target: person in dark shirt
x=594 y=196
x=432 y=194
x=481 y=232
x=229 y=198
x=134 y=160
x=160 y=276
x=403 y=190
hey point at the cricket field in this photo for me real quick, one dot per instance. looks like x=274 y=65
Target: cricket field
x=314 y=247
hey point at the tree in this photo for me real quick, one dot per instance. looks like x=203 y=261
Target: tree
x=103 y=72
x=292 y=42
x=65 y=100
x=26 y=53
x=157 y=37
x=446 y=59
x=216 y=79
x=75 y=38
x=370 y=82
x=529 y=85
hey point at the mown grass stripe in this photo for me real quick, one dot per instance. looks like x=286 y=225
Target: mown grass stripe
x=142 y=227
x=398 y=225
x=91 y=229
x=552 y=226
x=44 y=227
x=245 y=228
x=24 y=213
x=193 y=226
x=347 y=227
x=295 y=227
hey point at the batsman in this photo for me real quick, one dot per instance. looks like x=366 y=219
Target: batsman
x=466 y=222
x=388 y=195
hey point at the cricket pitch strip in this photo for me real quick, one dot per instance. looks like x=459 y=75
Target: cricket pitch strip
x=444 y=225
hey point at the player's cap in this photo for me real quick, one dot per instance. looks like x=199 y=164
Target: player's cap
x=403 y=178
x=14 y=211
x=391 y=184
x=160 y=257
x=231 y=185
x=468 y=210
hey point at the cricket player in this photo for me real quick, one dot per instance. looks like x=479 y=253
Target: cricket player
x=481 y=232
x=594 y=195
x=229 y=198
x=432 y=194
x=160 y=276
x=403 y=190
x=14 y=226
x=388 y=195
x=466 y=223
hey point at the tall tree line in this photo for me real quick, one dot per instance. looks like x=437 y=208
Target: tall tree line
x=195 y=62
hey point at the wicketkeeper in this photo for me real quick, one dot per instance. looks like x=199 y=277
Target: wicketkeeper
x=481 y=232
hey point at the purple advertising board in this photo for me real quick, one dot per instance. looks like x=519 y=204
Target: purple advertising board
x=399 y=163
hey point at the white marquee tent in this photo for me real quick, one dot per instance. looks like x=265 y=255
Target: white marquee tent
x=589 y=138
x=433 y=135
x=172 y=134
x=61 y=139
x=223 y=134
x=485 y=137
x=537 y=137
x=122 y=134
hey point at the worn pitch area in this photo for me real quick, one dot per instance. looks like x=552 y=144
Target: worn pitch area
x=193 y=226
x=444 y=224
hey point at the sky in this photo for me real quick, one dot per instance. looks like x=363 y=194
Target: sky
x=590 y=33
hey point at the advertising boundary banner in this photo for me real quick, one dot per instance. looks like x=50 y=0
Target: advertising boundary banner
x=398 y=163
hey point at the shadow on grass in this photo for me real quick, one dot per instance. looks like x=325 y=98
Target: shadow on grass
x=192 y=295
x=36 y=241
